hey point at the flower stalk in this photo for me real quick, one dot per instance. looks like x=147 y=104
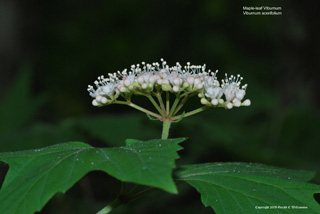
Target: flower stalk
x=129 y=103
x=165 y=129
x=174 y=106
x=190 y=113
x=155 y=104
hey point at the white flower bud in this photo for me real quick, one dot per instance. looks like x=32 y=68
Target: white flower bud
x=104 y=100
x=175 y=88
x=229 y=105
x=144 y=85
x=204 y=101
x=214 y=102
x=247 y=102
x=95 y=103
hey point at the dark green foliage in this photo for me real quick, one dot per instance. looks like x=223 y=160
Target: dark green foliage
x=242 y=187
x=34 y=176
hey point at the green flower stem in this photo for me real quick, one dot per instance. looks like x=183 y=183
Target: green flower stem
x=121 y=102
x=167 y=103
x=138 y=108
x=161 y=102
x=140 y=93
x=165 y=129
x=110 y=207
x=173 y=108
x=184 y=94
x=156 y=105
x=184 y=100
x=187 y=96
x=144 y=110
x=191 y=112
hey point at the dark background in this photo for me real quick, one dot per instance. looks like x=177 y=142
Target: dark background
x=51 y=50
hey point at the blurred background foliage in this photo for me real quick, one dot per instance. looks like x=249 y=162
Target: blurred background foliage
x=51 y=50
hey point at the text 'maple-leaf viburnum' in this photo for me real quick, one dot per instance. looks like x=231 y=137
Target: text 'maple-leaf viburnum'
x=34 y=176
x=245 y=188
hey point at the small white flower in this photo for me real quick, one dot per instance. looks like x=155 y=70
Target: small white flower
x=212 y=89
x=232 y=88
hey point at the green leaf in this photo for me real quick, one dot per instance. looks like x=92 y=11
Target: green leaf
x=240 y=187
x=131 y=142
x=34 y=176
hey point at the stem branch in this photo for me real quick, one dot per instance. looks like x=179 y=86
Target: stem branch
x=156 y=105
x=184 y=100
x=190 y=113
x=167 y=103
x=138 y=108
x=161 y=103
x=173 y=108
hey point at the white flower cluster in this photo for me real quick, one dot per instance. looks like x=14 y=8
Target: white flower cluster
x=145 y=78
